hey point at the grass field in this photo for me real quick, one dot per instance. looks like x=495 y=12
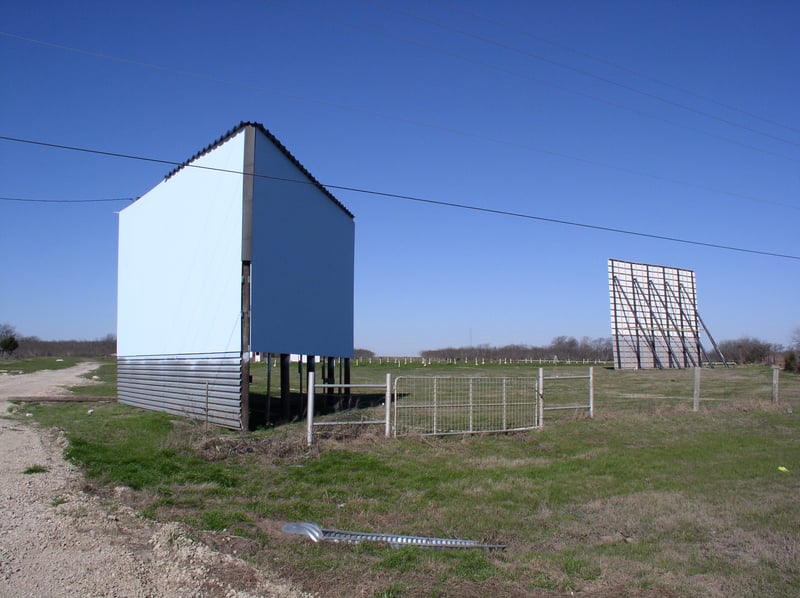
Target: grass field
x=616 y=392
x=647 y=499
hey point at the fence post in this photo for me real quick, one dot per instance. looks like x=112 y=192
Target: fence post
x=696 y=394
x=310 y=422
x=775 y=375
x=388 y=403
x=435 y=406
x=505 y=407
x=470 y=404
x=540 y=396
x=591 y=393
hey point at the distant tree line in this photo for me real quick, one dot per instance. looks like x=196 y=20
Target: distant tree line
x=747 y=350
x=742 y=351
x=563 y=348
x=22 y=347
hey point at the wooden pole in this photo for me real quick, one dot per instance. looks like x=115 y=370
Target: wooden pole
x=285 y=387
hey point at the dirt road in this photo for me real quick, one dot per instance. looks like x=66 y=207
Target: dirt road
x=57 y=540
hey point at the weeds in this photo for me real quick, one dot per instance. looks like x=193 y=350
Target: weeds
x=35 y=469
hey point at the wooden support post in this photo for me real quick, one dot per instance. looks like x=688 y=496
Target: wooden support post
x=331 y=373
x=347 y=381
x=244 y=394
x=331 y=380
x=285 y=387
x=269 y=388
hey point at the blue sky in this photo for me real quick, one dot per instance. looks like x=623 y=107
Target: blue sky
x=674 y=118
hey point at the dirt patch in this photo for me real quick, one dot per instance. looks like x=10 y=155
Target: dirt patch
x=58 y=540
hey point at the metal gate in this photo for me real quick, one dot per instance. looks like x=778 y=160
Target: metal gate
x=456 y=405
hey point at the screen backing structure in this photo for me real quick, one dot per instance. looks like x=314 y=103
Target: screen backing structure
x=654 y=318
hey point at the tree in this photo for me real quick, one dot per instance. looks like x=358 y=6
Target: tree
x=8 y=340
x=796 y=339
x=746 y=350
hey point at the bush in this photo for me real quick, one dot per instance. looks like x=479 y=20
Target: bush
x=791 y=363
x=8 y=344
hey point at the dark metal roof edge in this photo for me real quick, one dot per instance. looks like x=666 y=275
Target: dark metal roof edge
x=277 y=144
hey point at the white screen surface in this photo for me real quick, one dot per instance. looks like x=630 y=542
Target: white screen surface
x=179 y=277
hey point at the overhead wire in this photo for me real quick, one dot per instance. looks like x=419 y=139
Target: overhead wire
x=418 y=123
x=584 y=72
x=384 y=34
x=398 y=196
x=616 y=65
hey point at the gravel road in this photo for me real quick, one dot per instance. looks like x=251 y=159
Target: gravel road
x=57 y=540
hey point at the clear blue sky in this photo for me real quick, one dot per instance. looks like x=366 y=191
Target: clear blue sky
x=675 y=118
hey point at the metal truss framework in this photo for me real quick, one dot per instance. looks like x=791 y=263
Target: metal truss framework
x=654 y=317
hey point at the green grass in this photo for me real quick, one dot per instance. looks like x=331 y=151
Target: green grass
x=105 y=380
x=648 y=498
x=120 y=445
x=35 y=469
x=35 y=364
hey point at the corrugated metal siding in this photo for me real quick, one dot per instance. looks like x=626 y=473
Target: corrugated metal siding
x=206 y=386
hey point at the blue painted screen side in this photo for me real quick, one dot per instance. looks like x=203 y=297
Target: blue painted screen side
x=302 y=266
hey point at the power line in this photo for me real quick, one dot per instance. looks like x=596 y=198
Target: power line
x=447 y=204
x=617 y=65
x=563 y=222
x=384 y=34
x=32 y=200
x=585 y=73
x=414 y=122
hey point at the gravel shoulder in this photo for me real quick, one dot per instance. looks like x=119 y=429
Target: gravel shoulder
x=57 y=540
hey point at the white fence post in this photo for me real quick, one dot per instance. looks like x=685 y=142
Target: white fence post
x=435 y=405
x=540 y=393
x=310 y=422
x=696 y=394
x=505 y=405
x=388 y=403
x=471 y=407
x=775 y=375
x=591 y=393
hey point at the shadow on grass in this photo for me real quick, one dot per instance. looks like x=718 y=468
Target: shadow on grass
x=269 y=411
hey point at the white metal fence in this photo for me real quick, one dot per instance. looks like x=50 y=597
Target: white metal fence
x=449 y=405
x=350 y=420
x=569 y=396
